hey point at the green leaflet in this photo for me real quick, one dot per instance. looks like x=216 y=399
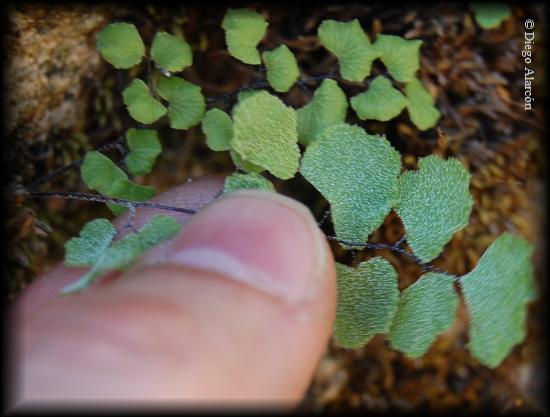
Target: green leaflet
x=491 y=15
x=367 y=301
x=434 y=204
x=170 y=52
x=108 y=255
x=144 y=148
x=400 y=56
x=244 y=165
x=120 y=45
x=186 y=102
x=496 y=294
x=243 y=95
x=244 y=29
x=282 y=68
x=351 y=46
x=141 y=105
x=425 y=310
x=420 y=105
x=128 y=190
x=85 y=250
x=264 y=133
x=380 y=102
x=101 y=174
x=218 y=128
x=328 y=107
x=252 y=181
x=357 y=174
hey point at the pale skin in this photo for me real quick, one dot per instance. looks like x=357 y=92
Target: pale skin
x=238 y=308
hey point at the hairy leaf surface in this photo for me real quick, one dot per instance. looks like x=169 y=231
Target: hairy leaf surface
x=282 y=68
x=186 y=102
x=425 y=310
x=170 y=52
x=121 y=45
x=328 y=107
x=367 y=301
x=434 y=204
x=244 y=29
x=94 y=239
x=245 y=165
x=141 y=105
x=400 y=56
x=352 y=47
x=264 y=133
x=380 y=102
x=357 y=174
x=119 y=254
x=251 y=181
x=497 y=292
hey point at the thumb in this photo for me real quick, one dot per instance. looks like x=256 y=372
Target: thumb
x=239 y=306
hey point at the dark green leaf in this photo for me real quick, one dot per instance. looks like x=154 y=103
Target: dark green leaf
x=497 y=292
x=425 y=310
x=367 y=300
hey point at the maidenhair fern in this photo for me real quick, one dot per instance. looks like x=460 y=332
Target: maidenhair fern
x=360 y=175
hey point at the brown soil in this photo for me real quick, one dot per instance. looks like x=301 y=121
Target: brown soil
x=64 y=100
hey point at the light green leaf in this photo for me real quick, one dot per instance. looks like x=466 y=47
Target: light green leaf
x=328 y=107
x=282 y=68
x=186 y=102
x=244 y=29
x=496 y=294
x=351 y=46
x=141 y=105
x=245 y=165
x=380 y=102
x=144 y=148
x=420 y=105
x=250 y=181
x=425 y=309
x=101 y=174
x=121 y=45
x=243 y=95
x=218 y=128
x=85 y=250
x=434 y=204
x=128 y=190
x=491 y=15
x=264 y=133
x=120 y=254
x=400 y=56
x=357 y=174
x=367 y=301
x=170 y=52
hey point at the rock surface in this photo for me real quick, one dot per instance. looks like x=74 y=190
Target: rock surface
x=51 y=63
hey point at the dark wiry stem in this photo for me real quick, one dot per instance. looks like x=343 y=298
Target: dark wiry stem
x=322 y=220
x=262 y=83
x=116 y=144
x=396 y=247
x=102 y=199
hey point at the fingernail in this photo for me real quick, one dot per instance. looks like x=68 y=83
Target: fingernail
x=259 y=238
